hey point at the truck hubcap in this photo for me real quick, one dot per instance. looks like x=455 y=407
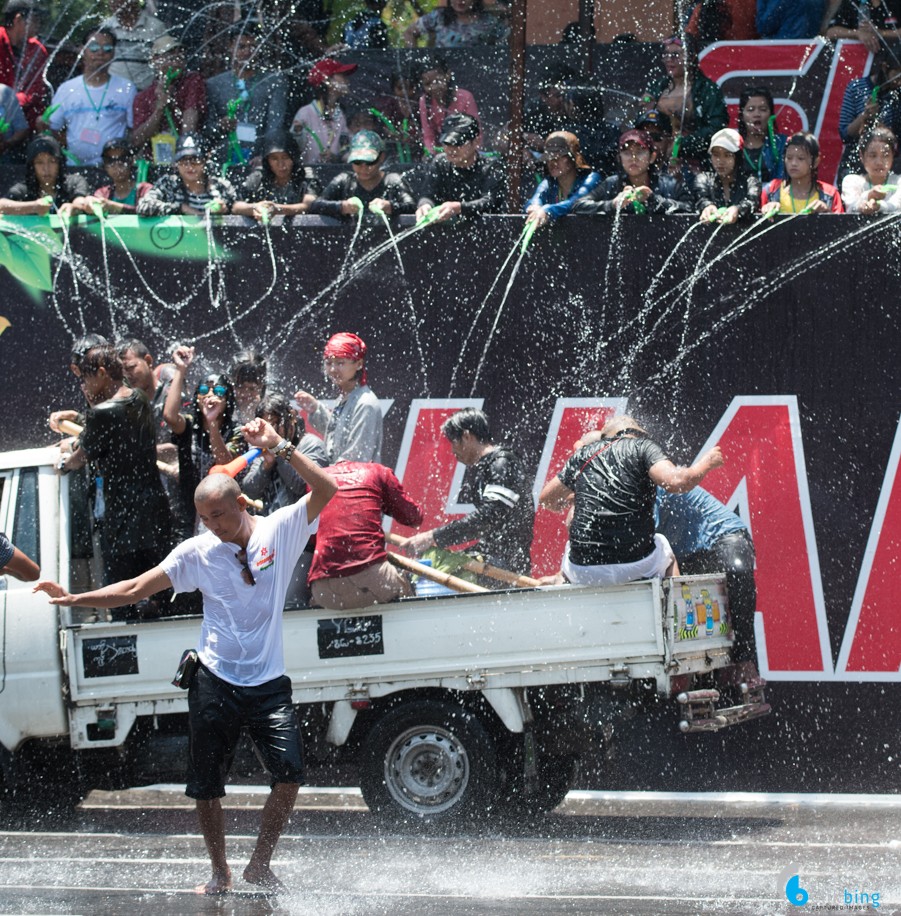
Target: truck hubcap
x=426 y=770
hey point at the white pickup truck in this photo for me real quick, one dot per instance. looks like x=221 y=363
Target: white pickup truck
x=447 y=707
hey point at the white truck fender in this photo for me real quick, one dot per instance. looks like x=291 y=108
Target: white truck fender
x=340 y=722
x=510 y=706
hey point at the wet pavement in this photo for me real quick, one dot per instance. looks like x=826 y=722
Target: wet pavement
x=620 y=853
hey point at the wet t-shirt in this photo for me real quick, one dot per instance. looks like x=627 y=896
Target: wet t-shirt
x=613 y=520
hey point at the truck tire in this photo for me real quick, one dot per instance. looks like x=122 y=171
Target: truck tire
x=556 y=775
x=429 y=763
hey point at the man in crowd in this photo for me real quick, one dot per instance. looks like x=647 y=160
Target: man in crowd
x=350 y=564
x=119 y=440
x=173 y=104
x=242 y=566
x=259 y=101
x=136 y=30
x=23 y=57
x=458 y=181
x=497 y=486
x=613 y=481
x=95 y=107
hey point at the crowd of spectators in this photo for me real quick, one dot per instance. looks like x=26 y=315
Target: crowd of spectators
x=159 y=117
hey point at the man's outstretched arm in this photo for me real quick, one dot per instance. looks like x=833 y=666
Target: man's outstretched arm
x=119 y=594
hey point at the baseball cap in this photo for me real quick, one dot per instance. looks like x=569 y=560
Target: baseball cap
x=365 y=146
x=327 y=67
x=189 y=145
x=727 y=139
x=641 y=137
x=458 y=128
x=656 y=120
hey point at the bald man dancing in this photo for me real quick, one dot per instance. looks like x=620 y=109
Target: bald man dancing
x=242 y=565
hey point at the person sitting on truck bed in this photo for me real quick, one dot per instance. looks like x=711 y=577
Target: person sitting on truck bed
x=611 y=537
x=119 y=440
x=242 y=565
x=350 y=564
x=504 y=517
x=709 y=538
x=15 y=563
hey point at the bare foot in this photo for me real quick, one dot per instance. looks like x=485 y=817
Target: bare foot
x=263 y=877
x=220 y=883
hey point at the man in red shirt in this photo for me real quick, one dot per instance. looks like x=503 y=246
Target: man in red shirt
x=23 y=58
x=173 y=104
x=350 y=566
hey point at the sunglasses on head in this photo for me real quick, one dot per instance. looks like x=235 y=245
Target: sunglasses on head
x=219 y=390
x=246 y=574
x=95 y=47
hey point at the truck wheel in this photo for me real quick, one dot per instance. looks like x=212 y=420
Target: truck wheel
x=556 y=775
x=429 y=763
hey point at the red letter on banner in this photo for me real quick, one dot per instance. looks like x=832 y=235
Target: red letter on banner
x=872 y=640
x=572 y=418
x=761 y=440
x=426 y=464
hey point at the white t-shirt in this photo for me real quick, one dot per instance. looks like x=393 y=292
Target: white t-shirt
x=241 y=635
x=92 y=115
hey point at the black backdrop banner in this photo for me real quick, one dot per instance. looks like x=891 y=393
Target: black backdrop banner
x=776 y=339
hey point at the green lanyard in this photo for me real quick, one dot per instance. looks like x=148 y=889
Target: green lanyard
x=97 y=108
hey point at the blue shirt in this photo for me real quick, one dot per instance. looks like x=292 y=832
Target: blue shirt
x=789 y=18
x=694 y=520
x=547 y=194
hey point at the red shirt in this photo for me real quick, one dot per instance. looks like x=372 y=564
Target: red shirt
x=26 y=76
x=190 y=92
x=350 y=536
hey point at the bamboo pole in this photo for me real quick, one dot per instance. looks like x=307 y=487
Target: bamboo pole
x=457 y=584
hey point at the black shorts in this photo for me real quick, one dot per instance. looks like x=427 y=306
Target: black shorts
x=217 y=711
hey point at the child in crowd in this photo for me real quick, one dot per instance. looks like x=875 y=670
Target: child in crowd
x=763 y=146
x=366 y=29
x=320 y=127
x=728 y=193
x=47 y=186
x=124 y=191
x=204 y=436
x=569 y=177
x=879 y=190
x=191 y=189
x=801 y=191
x=353 y=429
x=248 y=374
x=459 y=24
x=399 y=116
x=441 y=97
x=282 y=185
x=639 y=187
x=367 y=182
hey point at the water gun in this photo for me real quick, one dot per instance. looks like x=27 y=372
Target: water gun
x=356 y=202
x=427 y=218
x=771 y=133
x=237 y=465
x=637 y=203
x=47 y=112
x=527 y=234
x=403 y=154
x=715 y=217
x=677 y=145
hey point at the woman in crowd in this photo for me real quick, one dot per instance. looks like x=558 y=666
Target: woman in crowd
x=282 y=185
x=763 y=147
x=124 y=191
x=353 y=429
x=441 y=97
x=868 y=101
x=879 y=189
x=320 y=127
x=460 y=23
x=638 y=187
x=569 y=177
x=367 y=182
x=728 y=193
x=191 y=189
x=694 y=104
x=801 y=191
x=47 y=186
x=204 y=436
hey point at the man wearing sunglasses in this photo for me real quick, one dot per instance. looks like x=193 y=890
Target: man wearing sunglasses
x=95 y=107
x=242 y=565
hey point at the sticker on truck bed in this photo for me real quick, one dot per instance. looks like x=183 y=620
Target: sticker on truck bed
x=700 y=614
x=110 y=656
x=343 y=637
